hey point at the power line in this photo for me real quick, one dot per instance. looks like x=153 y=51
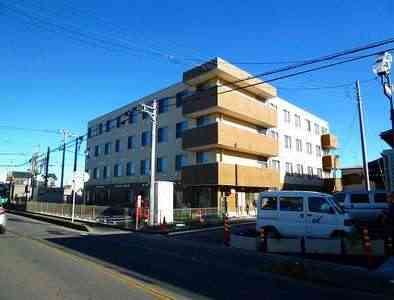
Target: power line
x=42 y=20
x=14 y=154
x=10 y=127
x=328 y=87
x=324 y=58
x=306 y=71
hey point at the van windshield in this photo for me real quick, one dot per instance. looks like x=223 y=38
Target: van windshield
x=336 y=204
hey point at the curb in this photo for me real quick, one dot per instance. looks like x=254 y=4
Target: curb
x=56 y=221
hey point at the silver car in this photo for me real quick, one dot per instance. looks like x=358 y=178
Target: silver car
x=3 y=220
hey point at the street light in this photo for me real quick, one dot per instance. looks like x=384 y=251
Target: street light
x=382 y=68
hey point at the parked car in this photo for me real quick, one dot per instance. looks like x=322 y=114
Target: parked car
x=363 y=206
x=3 y=220
x=299 y=213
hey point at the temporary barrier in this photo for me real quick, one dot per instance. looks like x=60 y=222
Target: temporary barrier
x=263 y=240
x=226 y=232
x=367 y=246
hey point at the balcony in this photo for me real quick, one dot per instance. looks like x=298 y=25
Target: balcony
x=218 y=68
x=328 y=141
x=233 y=104
x=230 y=175
x=223 y=136
x=330 y=162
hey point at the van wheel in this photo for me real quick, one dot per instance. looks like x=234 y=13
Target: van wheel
x=272 y=232
x=381 y=219
x=338 y=234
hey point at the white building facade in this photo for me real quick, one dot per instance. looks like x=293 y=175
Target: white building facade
x=221 y=140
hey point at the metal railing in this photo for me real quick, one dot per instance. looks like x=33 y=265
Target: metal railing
x=191 y=214
x=82 y=212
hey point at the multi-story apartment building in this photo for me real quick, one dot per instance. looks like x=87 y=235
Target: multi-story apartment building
x=219 y=137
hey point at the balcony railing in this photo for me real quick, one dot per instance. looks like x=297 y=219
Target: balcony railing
x=224 y=136
x=233 y=104
x=230 y=175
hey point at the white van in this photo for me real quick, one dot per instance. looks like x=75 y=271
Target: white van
x=299 y=213
x=363 y=206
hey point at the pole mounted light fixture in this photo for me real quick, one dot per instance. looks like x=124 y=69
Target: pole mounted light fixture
x=382 y=68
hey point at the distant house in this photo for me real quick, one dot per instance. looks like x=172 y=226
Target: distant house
x=19 y=186
x=353 y=178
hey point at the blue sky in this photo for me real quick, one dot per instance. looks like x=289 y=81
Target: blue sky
x=50 y=79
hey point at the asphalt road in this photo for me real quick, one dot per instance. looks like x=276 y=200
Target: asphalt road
x=30 y=269
x=42 y=261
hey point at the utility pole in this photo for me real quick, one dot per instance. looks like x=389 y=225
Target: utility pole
x=65 y=133
x=152 y=214
x=33 y=174
x=362 y=133
x=152 y=112
x=47 y=167
x=77 y=141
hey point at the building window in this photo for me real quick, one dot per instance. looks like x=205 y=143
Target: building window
x=275 y=164
x=144 y=167
x=162 y=135
x=164 y=105
x=274 y=106
x=274 y=134
x=310 y=171
x=105 y=172
x=298 y=145
x=299 y=169
x=180 y=161
x=89 y=133
x=324 y=130
x=287 y=142
x=130 y=171
x=130 y=142
x=286 y=114
x=107 y=148
x=161 y=164
x=132 y=116
x=317 y=129
x=96 y=173
x=179 y=98
x=97 y=150
x=117 y=170
x=308 y=125
x=108 y=126
x=100 y=128
x=117 y=146
x=202 y=121
x=320 y=173
x=289 y=168
x=180 y=128
x=117 y=122
x=318 y=151
x=297 y=121
x=145 y=138
x=201 y=157
x=87 y=152
x=309 y=148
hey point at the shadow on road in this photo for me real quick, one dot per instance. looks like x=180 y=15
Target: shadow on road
x=214 y=272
